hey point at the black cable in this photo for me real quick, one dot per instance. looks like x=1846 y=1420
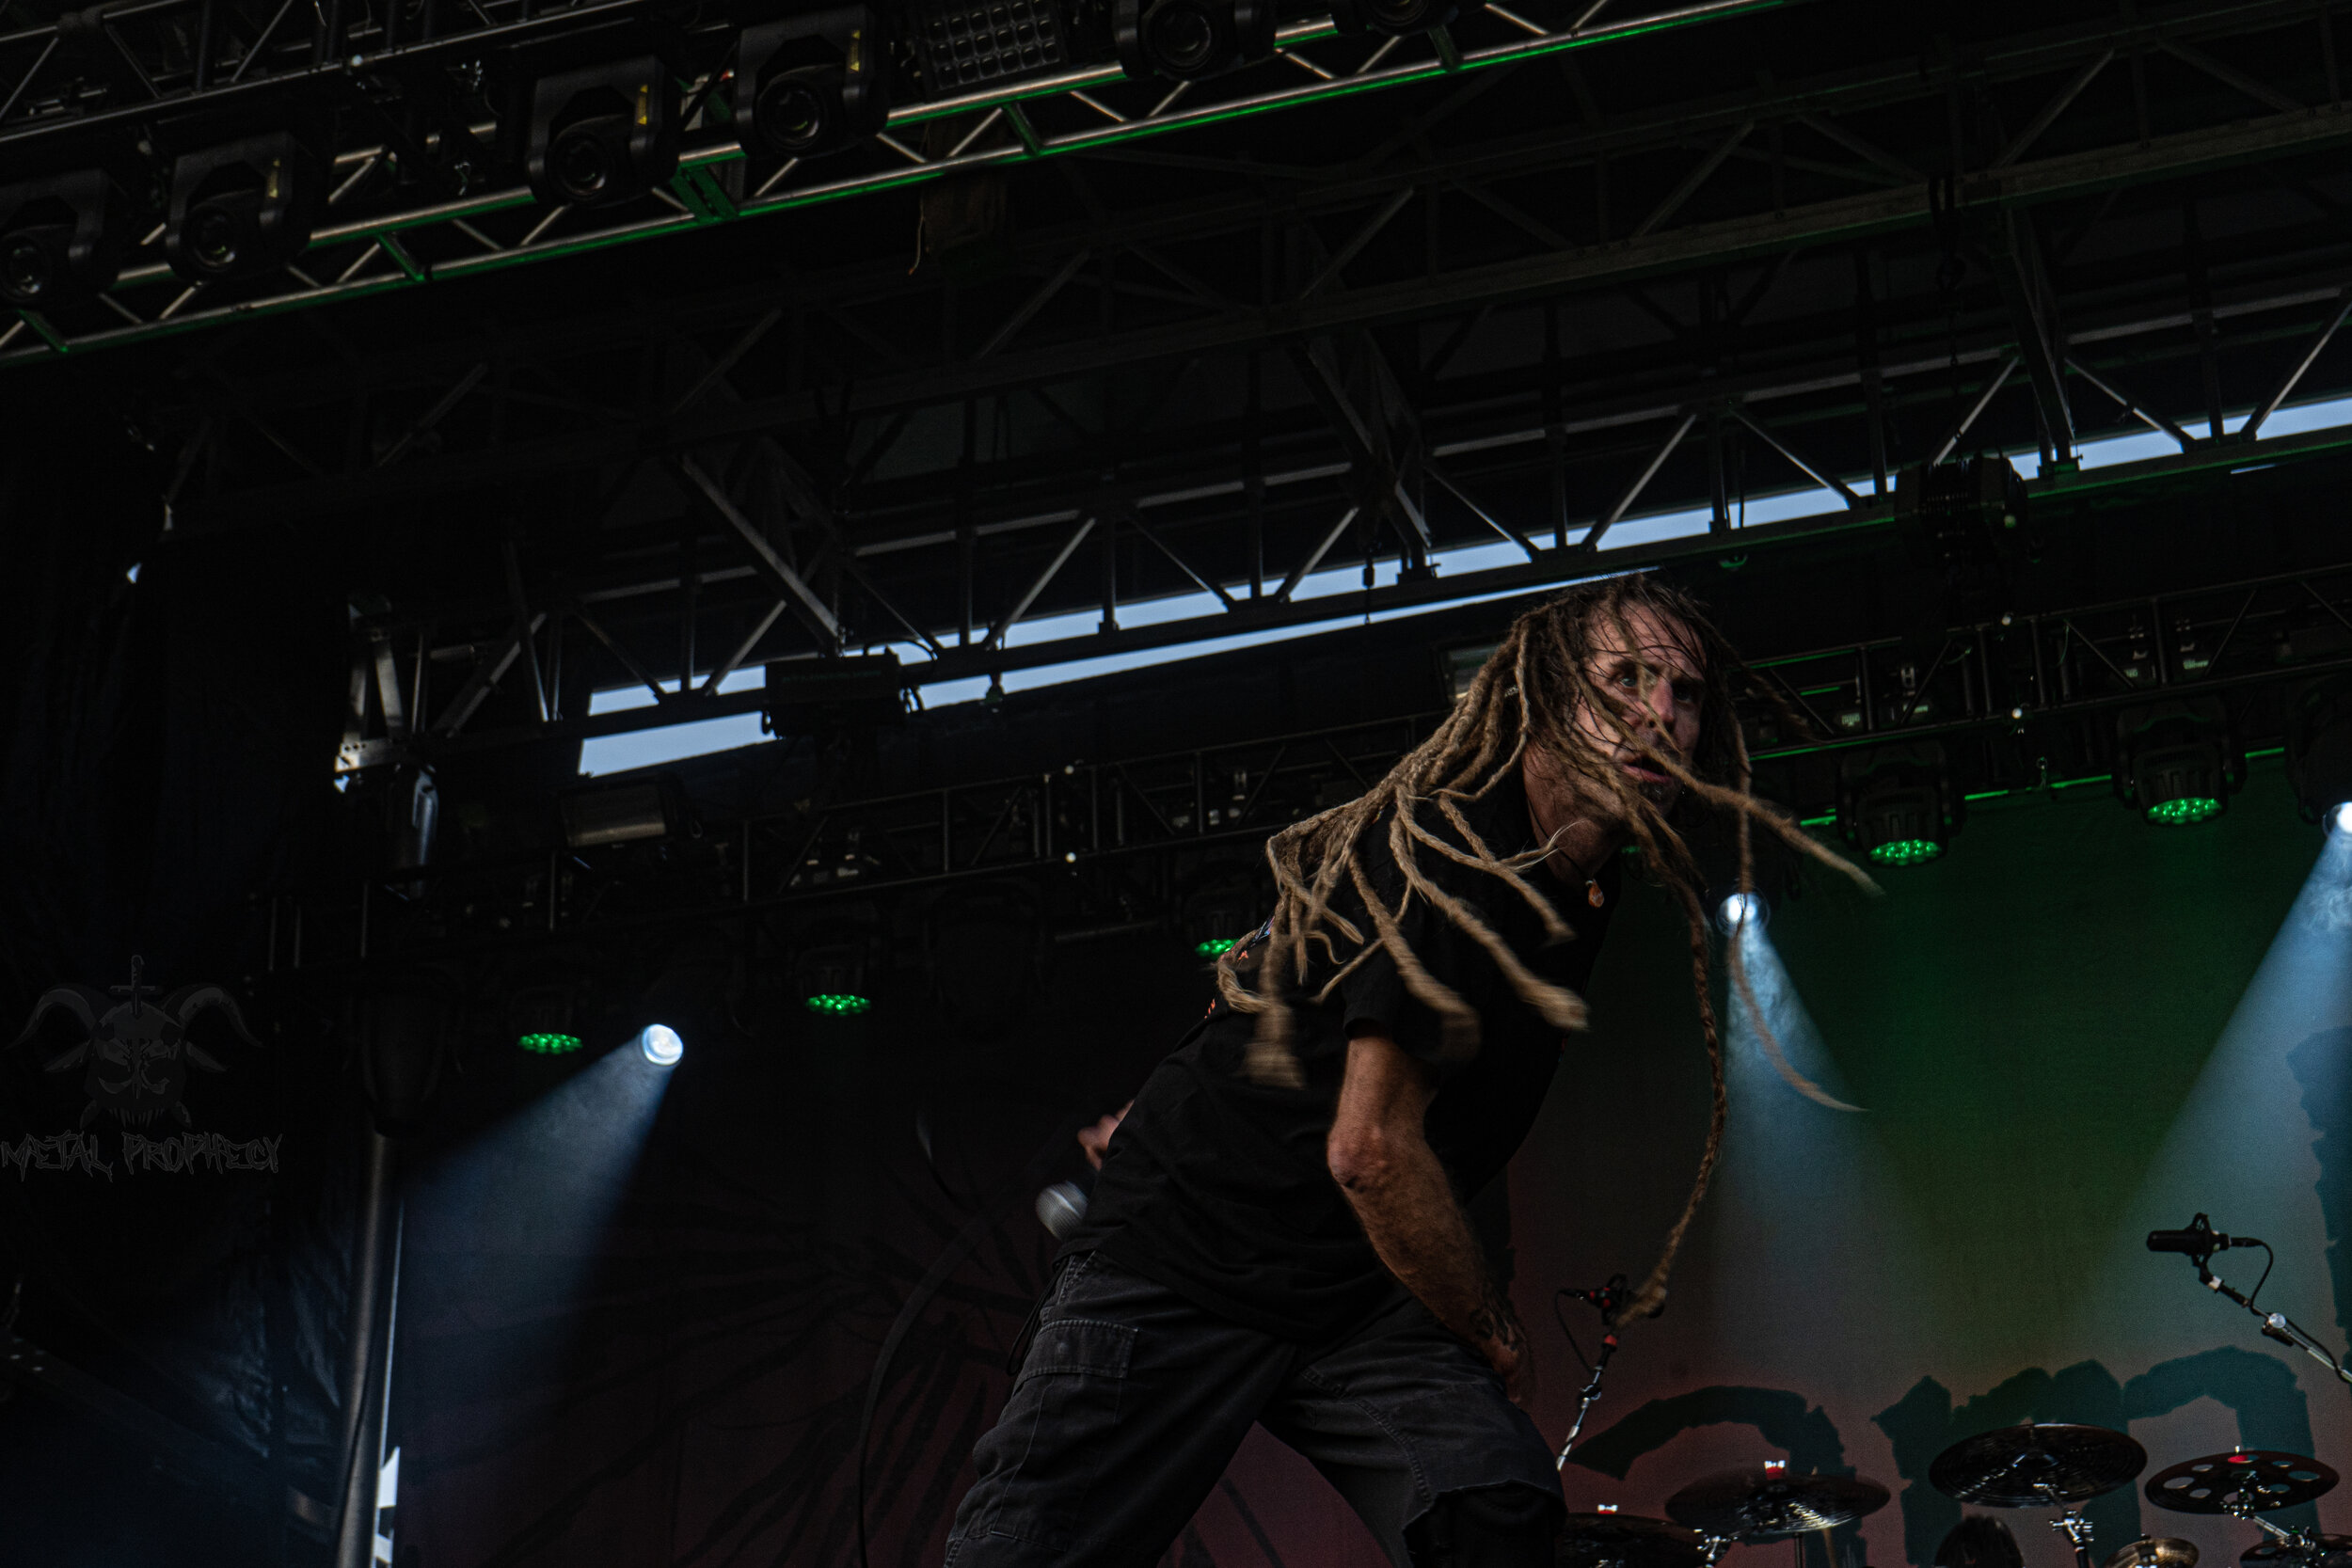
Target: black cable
x=1564 y=1329
x=2255 y=1293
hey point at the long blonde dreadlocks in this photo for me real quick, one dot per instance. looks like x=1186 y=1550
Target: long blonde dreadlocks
x=1527 y=696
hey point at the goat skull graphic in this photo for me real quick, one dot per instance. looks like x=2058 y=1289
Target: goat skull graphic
x=135 y=1053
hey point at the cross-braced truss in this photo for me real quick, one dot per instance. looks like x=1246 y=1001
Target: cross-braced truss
x=1528 y=305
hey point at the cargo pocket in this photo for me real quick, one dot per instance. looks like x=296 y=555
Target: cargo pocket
x=1057 y=1435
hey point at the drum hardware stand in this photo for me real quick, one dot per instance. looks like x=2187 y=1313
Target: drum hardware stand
x=2299 y=1540
x=2077 y=1530
x=1608 y=1298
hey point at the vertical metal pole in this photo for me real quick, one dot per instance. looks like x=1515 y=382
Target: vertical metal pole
x=966 y=539
x=690 y=584
x=1866 y=346
x=554 y=686
x=206 y=40
x=1555 y=440
x=1253 y=482
x=2200 y=314
x=355 y=1538
x=1110 y=570
x=1721 y=523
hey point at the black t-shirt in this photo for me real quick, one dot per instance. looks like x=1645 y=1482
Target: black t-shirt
x=1218 y=1187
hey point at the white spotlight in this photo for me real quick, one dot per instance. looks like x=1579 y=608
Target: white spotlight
x=661 y=1045
x=1738 y=909
x=2342 y=817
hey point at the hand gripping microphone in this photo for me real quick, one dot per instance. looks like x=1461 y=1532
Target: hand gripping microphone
x=2201 y=1240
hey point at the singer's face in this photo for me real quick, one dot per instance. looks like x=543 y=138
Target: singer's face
x=1653 y=681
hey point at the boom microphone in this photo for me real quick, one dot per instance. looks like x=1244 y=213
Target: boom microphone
x=2201 y=1240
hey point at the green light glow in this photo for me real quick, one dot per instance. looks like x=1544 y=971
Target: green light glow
x=1906 y=851
x=839 y=1005
x=550 y=1044
x=2187 y=809
x=1216 y=946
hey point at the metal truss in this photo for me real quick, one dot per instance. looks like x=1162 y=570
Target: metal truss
x=2023 y=702
x=380 y=236
x=453 y=678
x=1417 y=344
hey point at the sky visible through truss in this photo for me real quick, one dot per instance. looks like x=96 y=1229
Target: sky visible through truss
x=651 y=747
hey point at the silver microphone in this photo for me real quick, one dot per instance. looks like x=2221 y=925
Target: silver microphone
x=1061 y=1209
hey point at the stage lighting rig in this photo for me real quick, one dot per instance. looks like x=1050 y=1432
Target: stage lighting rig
x=831 y=979
x=1967 y=520
x=543 y=1020
x=2177 y=763
x=602 y=134
x=1897 y=805
x=61 y=239
x=662 y=1045
x=1736 y=912
x=626 y=813
x=1189 y=39
x=1391 y=18
x=241 y=209
x=963 y=44
x=830 y=696
x=811 y=85
x=2319 y=749
x=1223 y=906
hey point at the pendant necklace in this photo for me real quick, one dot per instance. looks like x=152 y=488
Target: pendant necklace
x=1593 y=895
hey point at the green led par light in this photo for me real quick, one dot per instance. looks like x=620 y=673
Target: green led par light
x=549 y=1043
x=1897 y=805
x=1214 y=946
x=2177 y=763
x=838 y=1005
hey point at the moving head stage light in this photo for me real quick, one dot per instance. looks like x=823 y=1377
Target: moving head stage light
x=604 y=134
x=61 y=239
x=1189 y=39
x=811 y=85
x=241 y=209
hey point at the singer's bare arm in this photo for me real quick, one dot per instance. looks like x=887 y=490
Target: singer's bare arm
x=1381 y=1156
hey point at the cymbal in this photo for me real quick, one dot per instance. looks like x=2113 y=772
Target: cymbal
x=2245 y=1482
x=2162 y=1551
x=2325 y=1551
x=1626 y=1541
x=1767 y=1505
x=2041 y=1465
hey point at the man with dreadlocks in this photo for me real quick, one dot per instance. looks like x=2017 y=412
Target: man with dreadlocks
x=1277 y=1232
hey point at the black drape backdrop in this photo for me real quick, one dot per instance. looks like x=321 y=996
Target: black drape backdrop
x=166 y=747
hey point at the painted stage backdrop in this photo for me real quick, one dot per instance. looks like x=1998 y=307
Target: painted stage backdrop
x=2073 y=1029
